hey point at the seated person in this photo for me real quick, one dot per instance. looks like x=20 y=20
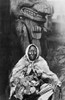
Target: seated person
x=27 y=74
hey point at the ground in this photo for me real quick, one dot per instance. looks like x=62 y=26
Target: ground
x=56 y=61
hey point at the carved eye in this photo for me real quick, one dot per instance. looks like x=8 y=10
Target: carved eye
x=20 y=17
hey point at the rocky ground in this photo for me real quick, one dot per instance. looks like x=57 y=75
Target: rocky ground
x=56 y=61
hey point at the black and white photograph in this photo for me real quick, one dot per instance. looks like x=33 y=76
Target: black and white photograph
x=32 y=49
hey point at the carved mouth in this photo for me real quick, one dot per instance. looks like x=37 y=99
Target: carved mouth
x=37 y=29
x=30 y=13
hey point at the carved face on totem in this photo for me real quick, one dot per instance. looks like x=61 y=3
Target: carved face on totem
x=30 y=19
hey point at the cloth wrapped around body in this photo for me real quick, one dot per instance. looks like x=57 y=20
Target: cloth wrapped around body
x=25 y=82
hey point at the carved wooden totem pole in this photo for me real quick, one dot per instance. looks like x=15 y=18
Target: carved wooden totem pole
x=30 y=17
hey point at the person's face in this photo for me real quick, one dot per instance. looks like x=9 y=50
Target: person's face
x=32 y=53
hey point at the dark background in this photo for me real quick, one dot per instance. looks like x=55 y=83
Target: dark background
x=10 y=50
x=4 y=43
